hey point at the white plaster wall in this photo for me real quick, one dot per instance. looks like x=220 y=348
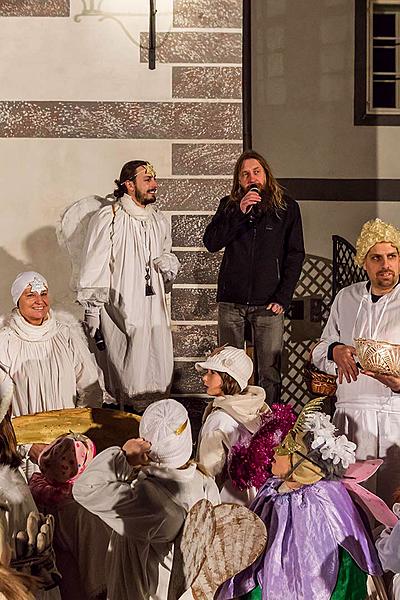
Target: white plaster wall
x=321 y=220
x=61 y=59
x=303 y=85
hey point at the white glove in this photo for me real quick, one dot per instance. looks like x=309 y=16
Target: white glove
x=92 y=320
x=168 y=265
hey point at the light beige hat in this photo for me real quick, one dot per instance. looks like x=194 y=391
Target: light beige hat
x=233 y=361
x=373 y=232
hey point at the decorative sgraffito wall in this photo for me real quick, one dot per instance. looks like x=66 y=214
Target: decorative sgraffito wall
x=78 y=100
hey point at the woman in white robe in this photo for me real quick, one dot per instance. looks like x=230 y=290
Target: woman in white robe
x=45 y=354
x=46 y=357
x=147 y=512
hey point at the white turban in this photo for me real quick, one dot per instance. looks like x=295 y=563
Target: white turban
x=165 y=424
x=35 y=280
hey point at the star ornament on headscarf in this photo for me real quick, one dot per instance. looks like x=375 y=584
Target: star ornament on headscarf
x=37 y=285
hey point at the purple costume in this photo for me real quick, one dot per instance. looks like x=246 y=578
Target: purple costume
x=305 y=528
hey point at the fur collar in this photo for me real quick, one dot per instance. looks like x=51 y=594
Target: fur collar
x=12 y=486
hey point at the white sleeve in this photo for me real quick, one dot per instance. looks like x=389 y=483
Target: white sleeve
x=167 y=263
x=213 y=443
x=131 y=508
x=388 y=546
x=94 y=277
x=88 y=387
x=330 y=334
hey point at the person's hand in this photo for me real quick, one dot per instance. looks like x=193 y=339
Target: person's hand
x=249 y=200
x=275 y=307
x=344 y=358
x=390 y=381
x=35 y=451
x=92 y=321
x=137 y=451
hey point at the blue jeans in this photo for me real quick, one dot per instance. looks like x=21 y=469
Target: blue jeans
x=267 y=334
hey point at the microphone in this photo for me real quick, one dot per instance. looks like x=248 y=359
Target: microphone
x=252 y=215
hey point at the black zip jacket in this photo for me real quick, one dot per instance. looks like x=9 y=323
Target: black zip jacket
x=263 y=255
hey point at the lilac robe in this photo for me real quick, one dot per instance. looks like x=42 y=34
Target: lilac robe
x=305 y=528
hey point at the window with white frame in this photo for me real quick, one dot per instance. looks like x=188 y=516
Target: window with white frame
x=377 y=62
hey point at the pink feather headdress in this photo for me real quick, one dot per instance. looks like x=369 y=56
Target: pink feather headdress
x=249 y=463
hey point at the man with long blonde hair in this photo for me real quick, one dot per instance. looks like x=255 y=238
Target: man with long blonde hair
x=260 y=228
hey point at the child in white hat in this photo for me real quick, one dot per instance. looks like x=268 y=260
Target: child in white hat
x=143 y=491
x=233 y=415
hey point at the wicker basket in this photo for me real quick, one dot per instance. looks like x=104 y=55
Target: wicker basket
x=318 y=382
x=379 y=357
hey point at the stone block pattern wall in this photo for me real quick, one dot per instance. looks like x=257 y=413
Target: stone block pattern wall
x=185 y=116
x=193 y=127
x=208 y=77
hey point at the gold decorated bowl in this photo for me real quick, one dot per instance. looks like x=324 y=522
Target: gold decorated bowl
x=378 y=357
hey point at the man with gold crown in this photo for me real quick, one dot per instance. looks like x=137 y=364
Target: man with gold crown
x=368 y=404
x=126 y=266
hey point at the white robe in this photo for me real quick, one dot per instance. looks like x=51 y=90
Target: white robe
x=80 y=542
x=228 y=420
x=388 y=546
x=122 y=239
x=50 y=365
x=367 y=411
x=145 y=514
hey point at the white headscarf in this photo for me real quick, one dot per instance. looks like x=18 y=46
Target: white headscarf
x=32 y=278
x=165 y=424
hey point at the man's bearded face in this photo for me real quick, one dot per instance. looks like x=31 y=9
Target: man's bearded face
x=382 y=265
x=252 y=173
x=145 y=185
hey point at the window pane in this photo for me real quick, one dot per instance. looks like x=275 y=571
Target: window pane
x=384 y=60
x=384 y=95
x=385 y=42
x=384 y=25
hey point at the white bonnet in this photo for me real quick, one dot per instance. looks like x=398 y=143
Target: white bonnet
x=165 y=424
x=36 y=280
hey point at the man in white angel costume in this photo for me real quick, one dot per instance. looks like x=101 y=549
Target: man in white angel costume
x=45 y=354
x=368 y=404
x=126 y=269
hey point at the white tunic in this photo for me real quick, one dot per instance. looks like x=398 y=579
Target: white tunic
x=50 y=365
x=388 y=546
x=366 y=410
x=145 y=514
x=228 y=420
x=122 y=240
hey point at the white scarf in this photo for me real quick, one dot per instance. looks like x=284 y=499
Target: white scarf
x=141 y=213
x=33 y=333
x=244 y=408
